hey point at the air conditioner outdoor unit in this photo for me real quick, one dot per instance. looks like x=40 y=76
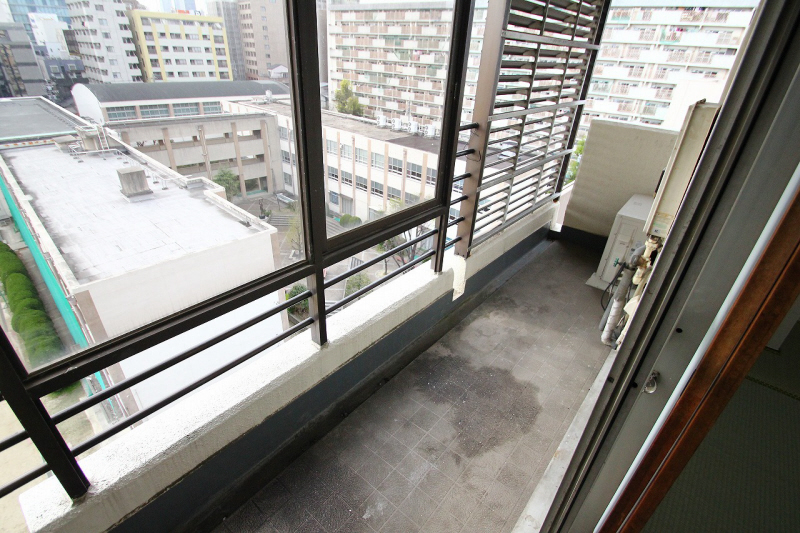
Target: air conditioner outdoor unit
x=627 y=233
x=397 y=124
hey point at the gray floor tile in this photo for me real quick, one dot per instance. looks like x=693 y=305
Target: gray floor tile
x=399 y=523
x=248 y=518
x=376 y=510
x=396 y=488
x=418 y=507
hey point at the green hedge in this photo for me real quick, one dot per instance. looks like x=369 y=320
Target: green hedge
x=29 y=318
x=349 y=221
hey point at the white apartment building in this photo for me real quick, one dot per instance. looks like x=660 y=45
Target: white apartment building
x=48 y=31
x=105 y=41
x=395 y=56
x=660 y=56
x=180 y=47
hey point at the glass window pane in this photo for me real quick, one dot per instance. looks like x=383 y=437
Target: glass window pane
x=386 y=76
x=178 y=200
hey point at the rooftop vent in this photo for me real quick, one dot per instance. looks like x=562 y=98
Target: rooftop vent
x=134 y=183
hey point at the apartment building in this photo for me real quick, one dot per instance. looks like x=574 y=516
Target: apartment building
x=263 y=28
x=657 y=59
x=105 y=41
x=228 y=10
x=19 y=72
x=395 y=56
x=180 y=47
x=20 y=9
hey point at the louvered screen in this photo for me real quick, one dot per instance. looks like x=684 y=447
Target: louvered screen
x=547 y=47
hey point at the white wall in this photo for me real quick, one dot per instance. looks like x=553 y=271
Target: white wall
x=139 y=297
x=619 y=160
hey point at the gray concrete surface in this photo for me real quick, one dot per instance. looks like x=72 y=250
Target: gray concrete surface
x=458 y=440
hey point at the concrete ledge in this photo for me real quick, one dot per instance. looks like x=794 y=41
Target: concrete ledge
x=166 y=473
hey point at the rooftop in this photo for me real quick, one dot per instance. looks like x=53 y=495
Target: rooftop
x=33 y=118
x=98 y=231
x=125 y=92
x=365 y=127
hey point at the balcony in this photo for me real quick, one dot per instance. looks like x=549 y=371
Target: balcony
x=458 y=439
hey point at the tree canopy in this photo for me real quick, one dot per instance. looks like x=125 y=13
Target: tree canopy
x=346 y=100
x=228 y=181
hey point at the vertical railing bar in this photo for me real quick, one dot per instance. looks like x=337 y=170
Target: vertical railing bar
x=304 y=59
x=489 y=69
x=37 y=423
x=461 y=36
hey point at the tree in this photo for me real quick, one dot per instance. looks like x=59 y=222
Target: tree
x=406 y=255
x=300 y=308
x=355 y=283
x=228 y=181
x=575 y=161
x=294 y=235
x=346 y=101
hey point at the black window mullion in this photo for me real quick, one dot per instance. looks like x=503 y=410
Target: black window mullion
x=37 y=423
x=451 y=119
x=307 y=112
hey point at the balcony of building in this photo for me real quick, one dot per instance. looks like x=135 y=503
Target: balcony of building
x=459 y=439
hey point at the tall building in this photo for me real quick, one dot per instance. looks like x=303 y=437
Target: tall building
x=19 y=72
x=655 y=61
x=229 y=11
x=169 y=6
x=395 y=56
x=105 y=41
x=263 y=28
x=180 y=47
x=48 y=31
x=21 y=8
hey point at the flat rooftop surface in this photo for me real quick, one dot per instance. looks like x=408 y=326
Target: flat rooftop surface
x=367 y=129
x=27 y=118
x=459 y=439
x=99 y=231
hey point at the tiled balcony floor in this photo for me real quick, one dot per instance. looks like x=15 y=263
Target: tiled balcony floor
x=458 y=440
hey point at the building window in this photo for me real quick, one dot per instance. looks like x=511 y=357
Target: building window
x=285 y=157
x=347 y=151
x=185 y=109
x=411 y=198
x=395 y=165
x=287 y=179
x=333 y=173
x=430 y=178
x=154 y=111
x=210 y=108
x=377 y=188
x=332 y=147
x=392 y=193
x=377 y=161
x=361 y=183
x=121 y=113
x=180 y=61
x=415 y=171
x=199 y=74
x=174 y=35
x=177 y=49
x=361 y=156
x=347 y=178
x=334 y=198
x=283 y=133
